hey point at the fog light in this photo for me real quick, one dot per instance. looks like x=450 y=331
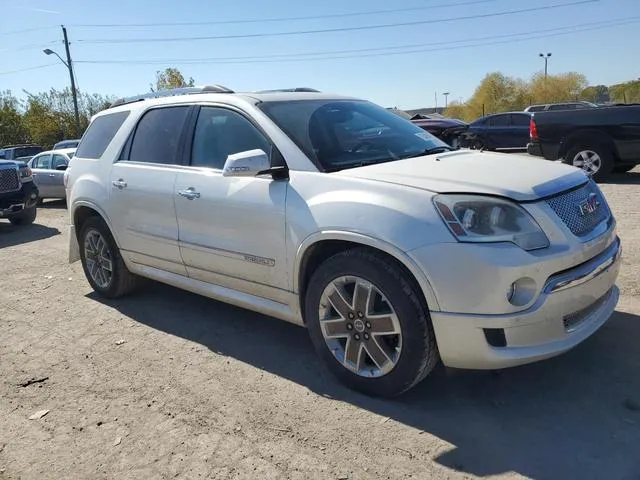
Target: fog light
x=33 y=196
x=522 y=291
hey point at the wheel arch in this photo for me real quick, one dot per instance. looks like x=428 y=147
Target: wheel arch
x=322 y=245
x=83 y=210
x=588 y=136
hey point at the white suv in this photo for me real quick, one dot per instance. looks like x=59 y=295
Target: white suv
x=336 y=214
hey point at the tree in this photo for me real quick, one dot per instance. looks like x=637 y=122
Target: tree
x=171 y=78
x=595 y=94
x=565 y=87
x=627 y=92
x=12 y=128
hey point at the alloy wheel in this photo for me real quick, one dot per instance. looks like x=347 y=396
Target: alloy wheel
x=360 y=326
x=589 y=161
x=98 y=258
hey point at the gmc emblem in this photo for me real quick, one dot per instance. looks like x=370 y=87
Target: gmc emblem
x=590 y=205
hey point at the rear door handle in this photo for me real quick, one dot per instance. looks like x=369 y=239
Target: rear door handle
x=189 y=193
x=119 y=184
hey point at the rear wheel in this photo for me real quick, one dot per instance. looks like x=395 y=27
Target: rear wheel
x=24 y=217
x=367 y=321
x=101 y=260
x=596 y=160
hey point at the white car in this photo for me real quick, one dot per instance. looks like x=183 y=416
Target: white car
x=48 y=171
x=334 y=213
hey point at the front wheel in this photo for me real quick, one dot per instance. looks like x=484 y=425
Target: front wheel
x=368 y=322
x=24 y=217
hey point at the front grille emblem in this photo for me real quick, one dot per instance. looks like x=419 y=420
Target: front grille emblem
x=589 y=205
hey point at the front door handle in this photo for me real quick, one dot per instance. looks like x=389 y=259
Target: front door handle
x=52 y=174
x=119 y=184
x=189 y=193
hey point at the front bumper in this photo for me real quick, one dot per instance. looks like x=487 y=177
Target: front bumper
x=14 y=202
x=572 y=305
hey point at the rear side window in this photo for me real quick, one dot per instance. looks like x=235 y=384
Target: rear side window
x=158 y=134
x=500 y=121
x=520 y=120
x=99 y=135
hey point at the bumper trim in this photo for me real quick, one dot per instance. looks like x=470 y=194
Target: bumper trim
x=585 y=272
x=14 y=208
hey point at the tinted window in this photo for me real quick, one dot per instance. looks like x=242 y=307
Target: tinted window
x=220 y=133
x=157 y=135
x=66 y=144
x=520 y=120
x=536 y=108
x=99 y=134
x=339 y=134
x=43 y=161
x=59 y=160
x=563 y=106
x=500 y=121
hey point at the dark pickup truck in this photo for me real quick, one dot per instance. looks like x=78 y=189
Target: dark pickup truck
x=18 y=193
x=599 y=140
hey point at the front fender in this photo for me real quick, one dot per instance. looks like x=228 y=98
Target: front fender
x=368 y=241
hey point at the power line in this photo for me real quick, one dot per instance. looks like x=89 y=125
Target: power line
x=284 y=19
x=27 y=69
x=27 y=30
x=340 y=29
x=32 y=46
x=368 y=52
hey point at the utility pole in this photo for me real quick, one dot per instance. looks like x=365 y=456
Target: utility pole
x=73 y=81
x=435 y=96
x=446 y=100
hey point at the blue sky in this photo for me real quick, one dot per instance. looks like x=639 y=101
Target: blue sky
x=506 y=43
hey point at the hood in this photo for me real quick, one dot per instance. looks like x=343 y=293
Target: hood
x=513 y=176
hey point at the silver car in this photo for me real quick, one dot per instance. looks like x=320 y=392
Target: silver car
x=48 y=171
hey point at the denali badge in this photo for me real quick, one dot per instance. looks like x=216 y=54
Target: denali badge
x=590 y=205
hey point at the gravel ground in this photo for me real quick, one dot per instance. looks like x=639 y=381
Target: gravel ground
x=166 y=384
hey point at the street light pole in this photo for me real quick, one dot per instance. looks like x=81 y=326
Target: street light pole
x=546 y=61
x=69 y=66
x=446 y=99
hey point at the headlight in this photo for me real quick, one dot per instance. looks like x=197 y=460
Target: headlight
x=25 y=174
x=476 y=218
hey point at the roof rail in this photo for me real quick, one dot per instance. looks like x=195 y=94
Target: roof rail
x=295 y=89
x=172 y=92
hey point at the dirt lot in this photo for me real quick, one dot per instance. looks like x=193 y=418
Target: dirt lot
x=165 y=384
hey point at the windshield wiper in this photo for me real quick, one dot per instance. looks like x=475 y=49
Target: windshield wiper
x=431 y=151
x=363 y=163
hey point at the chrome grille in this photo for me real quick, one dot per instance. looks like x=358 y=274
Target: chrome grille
x=570 y=207
x=9 y=181
x=573 y=320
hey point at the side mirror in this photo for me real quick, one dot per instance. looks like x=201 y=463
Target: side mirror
x=246 y=164
x=62 y=167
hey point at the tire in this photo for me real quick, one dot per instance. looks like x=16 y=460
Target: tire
x=121 y=281
x=418 y=352
x=578 y=156
x=25 y=217
x=623 y=168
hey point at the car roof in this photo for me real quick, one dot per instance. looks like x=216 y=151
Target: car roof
x=66 y=151
x=234 y=98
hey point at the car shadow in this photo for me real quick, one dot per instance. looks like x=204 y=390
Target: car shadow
x=569 y=417
x=11 y=235
x=54 y=204
x=629 y=178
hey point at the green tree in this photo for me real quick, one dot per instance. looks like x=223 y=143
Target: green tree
x=627 y=92
x=171 y=78
x=12 y=128
x=595 y=94
x=565 y=87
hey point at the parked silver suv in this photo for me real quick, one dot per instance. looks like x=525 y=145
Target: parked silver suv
x=334 y=213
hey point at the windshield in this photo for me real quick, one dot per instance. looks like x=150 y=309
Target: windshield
x=339 y=134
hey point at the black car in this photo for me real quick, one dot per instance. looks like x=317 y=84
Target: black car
x=18 y=193
x=500 y=131
x=66 y=144
x=446 y=129
x=599 y=140
x=21 y=153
